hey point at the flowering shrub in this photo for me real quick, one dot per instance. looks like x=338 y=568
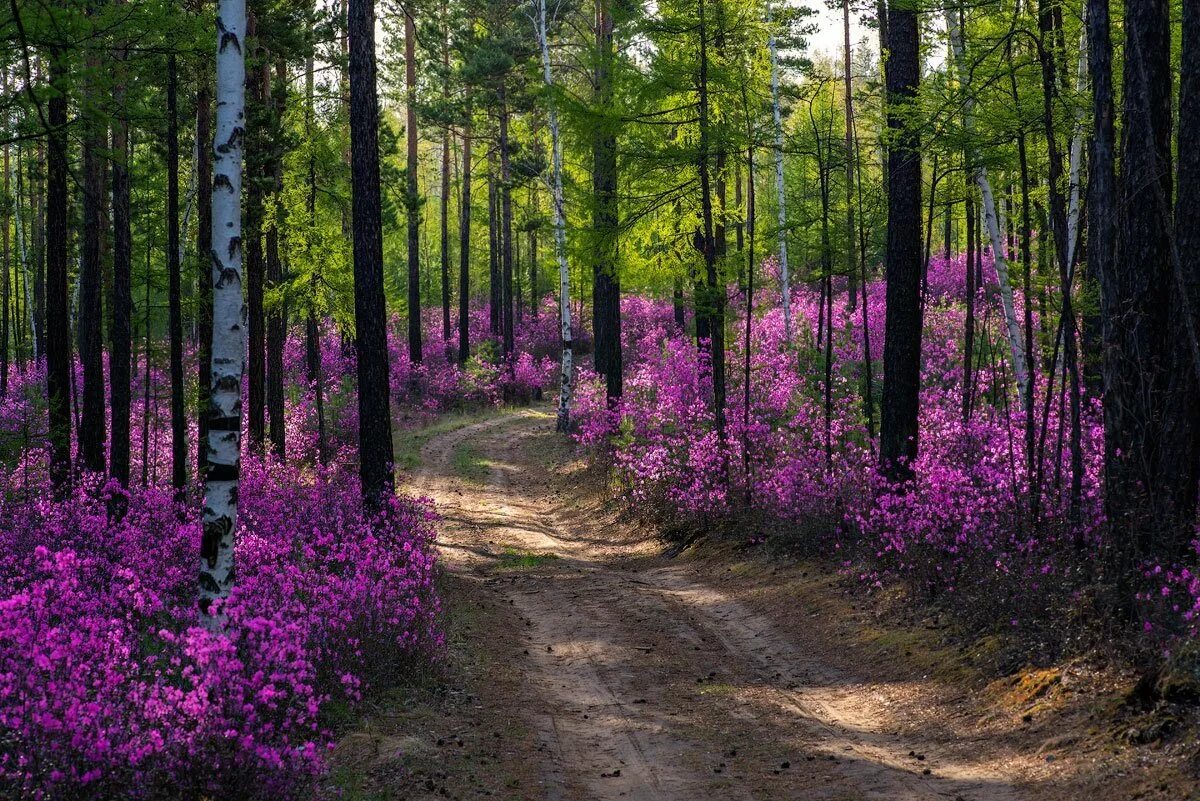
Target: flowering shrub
x=963 y=526
x=109 y=686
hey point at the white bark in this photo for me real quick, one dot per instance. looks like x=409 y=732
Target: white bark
x=781 y=204
x=1016 y=341
x=228 y=308
x=560 y=231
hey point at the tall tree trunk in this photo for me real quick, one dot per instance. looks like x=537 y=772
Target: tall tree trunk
x=35 y=348
x=277 y=316
x=91 y=347
x=606 y=283
x=714 y=306
x=560 y=230
x=6 y=267
x=1063 y=222
x=370 y=312
x=204 y=258
x=121 y=305
x=1026 y=241
x=868 y=366
x=175 y=311
x=750 y=256
x=447 y=135
x=464 y=252
x=1180 y=460
x=969 y=323
x=40 y=257
x=312 y=325
x=445 y=238
x=256 y=392
x=1101 y=188
x=58 y=316
x=494 y=281
x=848 y=88
x=780 y=197
x=534 y=297
x=413 y=199
x=506 y=234
x=902 y=336
x=1000 y=251
x=1136 y=294
x=222 y=477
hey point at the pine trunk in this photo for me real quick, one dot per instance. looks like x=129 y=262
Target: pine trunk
x=413 y=199
x=277 y=316
x=121 y=311
x=506 y=231
x=92 y=427
x=780 y=195
x=464 y=253
x=902 y=335
x=1137 y=298
x=370 y=311
x=606 y=279
x=175 y=311
x=204 y=278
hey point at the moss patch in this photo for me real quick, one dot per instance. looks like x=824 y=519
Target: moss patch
x=514 y=559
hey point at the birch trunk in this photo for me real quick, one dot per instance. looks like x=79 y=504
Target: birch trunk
x=560 y=232
x=1016 y=341
x=781 y=204
x=228 y=307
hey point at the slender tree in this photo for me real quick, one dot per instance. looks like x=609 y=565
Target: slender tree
x=780 y=195
x=228 y=308
x=175 y=309
x=560 y=230
x=204 y=278
x=902 y=333
x=257 y=92
x=444 y=208
x=711 y=248
x=276 y=315
x=464 y=250
x=370 y=312
x=504 y=190
x=606 y=279
x=92 y=427
x=121 y=303
x=412 y=200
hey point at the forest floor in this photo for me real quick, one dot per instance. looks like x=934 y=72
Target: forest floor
x=588 y=660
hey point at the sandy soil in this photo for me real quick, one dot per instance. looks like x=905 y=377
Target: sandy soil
x=591 y=664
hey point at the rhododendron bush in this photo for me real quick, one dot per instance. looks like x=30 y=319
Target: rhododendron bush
x=108 y=682
x=110 y=686
x=963 y=525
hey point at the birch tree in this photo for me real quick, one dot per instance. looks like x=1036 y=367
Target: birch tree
x=228 y=312
x=1016 y=341
x=560 y=231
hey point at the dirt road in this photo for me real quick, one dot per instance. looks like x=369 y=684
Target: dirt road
x=638 y=676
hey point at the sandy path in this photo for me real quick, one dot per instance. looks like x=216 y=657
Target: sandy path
x=644 y=679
